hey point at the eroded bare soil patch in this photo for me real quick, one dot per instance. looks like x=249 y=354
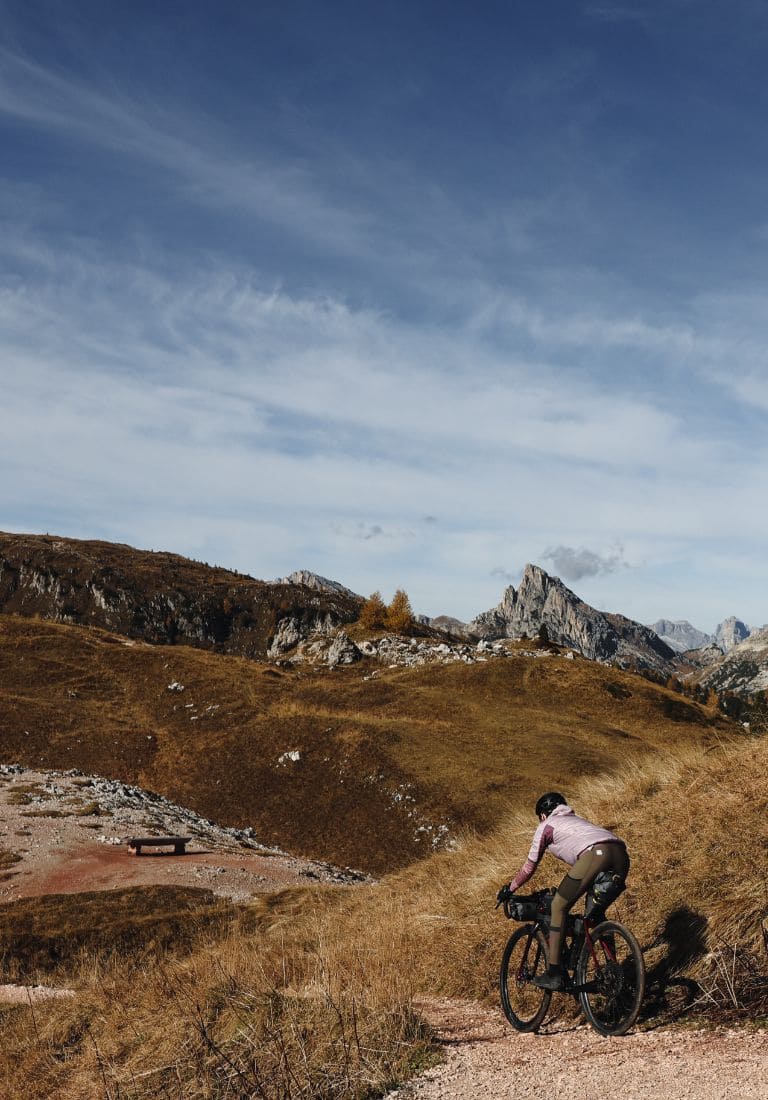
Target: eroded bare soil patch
x=66 y=833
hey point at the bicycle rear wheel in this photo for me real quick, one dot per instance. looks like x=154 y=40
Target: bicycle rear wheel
x=610 y=979
x=524 y=958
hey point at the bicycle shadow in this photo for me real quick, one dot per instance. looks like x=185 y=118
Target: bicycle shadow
x=669 y=994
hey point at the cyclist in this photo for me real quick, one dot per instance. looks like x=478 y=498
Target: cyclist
x=588 y=849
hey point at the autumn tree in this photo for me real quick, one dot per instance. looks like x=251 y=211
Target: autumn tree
x=399 y=613
x=373 y=613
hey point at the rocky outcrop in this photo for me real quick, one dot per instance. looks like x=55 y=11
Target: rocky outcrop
x=161 y=598
x=394 y=651
x=731 y=632
x=446 y=624
x=744 y=669
x=297 y=628
x=343 y=651
x=317 y=583
x=706 y=656
x=679 y=635
x=544 y=601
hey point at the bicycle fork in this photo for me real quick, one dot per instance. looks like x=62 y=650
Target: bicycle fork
x=524 y=972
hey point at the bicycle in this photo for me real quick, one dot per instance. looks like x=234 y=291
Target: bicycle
x=602 y=960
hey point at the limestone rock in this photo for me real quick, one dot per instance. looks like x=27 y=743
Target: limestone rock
x=297 y=628
x=705 y=656
x=544 y=601
x=680 y=635
x=731 y=632
x=316 y=582
x=343 y=651
x=744 y=668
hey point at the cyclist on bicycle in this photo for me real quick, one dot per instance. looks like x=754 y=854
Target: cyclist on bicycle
x=588 y=849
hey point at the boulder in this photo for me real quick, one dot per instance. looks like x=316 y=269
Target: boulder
x=343 y=651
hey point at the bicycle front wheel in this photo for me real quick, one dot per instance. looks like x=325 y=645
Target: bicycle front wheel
x=610 y=978
x=525 y=957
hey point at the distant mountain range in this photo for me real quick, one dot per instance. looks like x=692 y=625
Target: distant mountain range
x=167 y=599
x=681 y=636
x=744 y=668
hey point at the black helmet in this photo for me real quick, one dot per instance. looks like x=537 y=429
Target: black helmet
x=547 y=803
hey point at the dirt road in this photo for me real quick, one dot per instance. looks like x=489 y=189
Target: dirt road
x=486 y=1057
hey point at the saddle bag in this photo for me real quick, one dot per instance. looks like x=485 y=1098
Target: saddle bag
x=606 y=888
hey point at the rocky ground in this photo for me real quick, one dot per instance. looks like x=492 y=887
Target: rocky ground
x=63 y=832
x=393 y=651
x=486 y=1057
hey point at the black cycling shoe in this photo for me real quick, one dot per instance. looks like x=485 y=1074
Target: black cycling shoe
x=554 y=982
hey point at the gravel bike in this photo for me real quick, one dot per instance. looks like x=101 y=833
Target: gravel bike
x=603 y=962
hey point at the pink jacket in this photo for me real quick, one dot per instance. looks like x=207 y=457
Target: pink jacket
x=566 y=836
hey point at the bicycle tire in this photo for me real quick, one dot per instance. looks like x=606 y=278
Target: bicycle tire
x=525 y=957
x=610 y=979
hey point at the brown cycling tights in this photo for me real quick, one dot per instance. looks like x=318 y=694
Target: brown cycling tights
x=603 y=856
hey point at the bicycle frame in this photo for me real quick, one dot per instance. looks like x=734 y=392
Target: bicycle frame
x=589 y=926
x=579 y=938
x=604 y=972
x=583 y=935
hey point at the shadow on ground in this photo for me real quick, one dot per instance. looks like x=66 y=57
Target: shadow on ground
x=669 y=994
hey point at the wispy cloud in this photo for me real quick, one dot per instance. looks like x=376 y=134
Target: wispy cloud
x=365 y=532
x=619 y=12
x=194 y=159
x=299 y=337
x=503 y=574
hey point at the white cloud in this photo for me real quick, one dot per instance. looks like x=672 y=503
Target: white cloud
x=241 y=424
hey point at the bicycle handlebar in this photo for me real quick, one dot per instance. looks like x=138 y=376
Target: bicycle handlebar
x=538 y=899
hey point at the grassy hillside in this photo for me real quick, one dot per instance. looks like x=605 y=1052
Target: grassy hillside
x=388 y=766
x=319 y=1002
x=155 y=597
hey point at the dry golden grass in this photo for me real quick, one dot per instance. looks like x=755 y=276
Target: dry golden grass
x=310 y=993
x=382 y=760
x=51 y=936
x=252 y=1015
x=315 y=1000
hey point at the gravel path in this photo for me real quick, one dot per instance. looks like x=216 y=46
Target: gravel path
x=486 y=1057
x=31 y=994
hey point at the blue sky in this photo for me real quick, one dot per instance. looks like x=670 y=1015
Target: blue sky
x=409 y=294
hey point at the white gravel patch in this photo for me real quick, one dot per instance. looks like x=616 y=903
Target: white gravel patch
x=485 y=1057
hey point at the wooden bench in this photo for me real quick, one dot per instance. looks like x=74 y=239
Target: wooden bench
x=178 y=843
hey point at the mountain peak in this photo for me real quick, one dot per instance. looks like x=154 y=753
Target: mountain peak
x=544 y=600
x=730 y=632
x=318 y=583
x=679 y=635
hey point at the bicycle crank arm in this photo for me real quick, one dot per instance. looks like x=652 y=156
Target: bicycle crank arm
x=587 y=987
